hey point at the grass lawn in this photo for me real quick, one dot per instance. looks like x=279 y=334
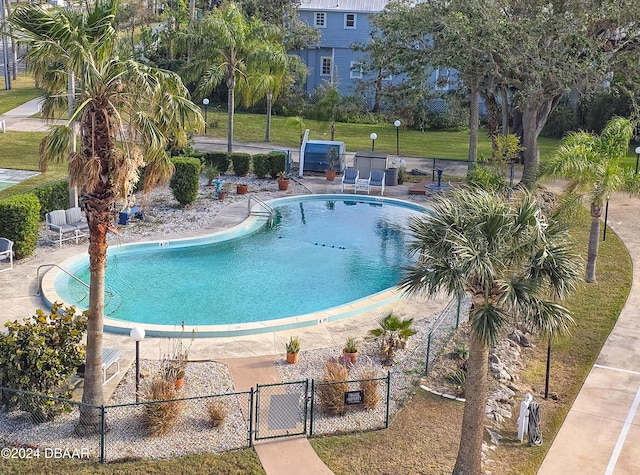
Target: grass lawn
x=22 y=90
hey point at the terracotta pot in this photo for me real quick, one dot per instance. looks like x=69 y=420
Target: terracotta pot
x=179 y=383
x=292 y=358
x=222 y=194
x=331 y=175
x=283 y=185
x=242 y=189
x=352 y=357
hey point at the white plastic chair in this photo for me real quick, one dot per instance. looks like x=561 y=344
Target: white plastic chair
x=6 y=252
x=350 y=177
x=376 y=178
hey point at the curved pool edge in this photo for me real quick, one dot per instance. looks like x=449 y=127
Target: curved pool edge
x=250 y=224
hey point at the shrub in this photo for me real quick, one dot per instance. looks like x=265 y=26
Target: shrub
x=369 y=388
x=185 y=180
x=39 y=355
x=260 y=163
x=459 y=378
x=52 y=196
x=19 y=221
x=461 y=352
x=277 y=163
x=211 y=173
x=241 y=163
x=218 y=412
x=332 y=388
x=160 y=417
x=220 y=160
x=486 y=178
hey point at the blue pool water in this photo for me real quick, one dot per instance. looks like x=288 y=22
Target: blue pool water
x=318 y=254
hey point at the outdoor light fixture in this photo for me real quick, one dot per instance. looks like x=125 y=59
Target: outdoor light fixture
x=373 y=138
x=137 y=335
x=205 y=101
x=397 y=125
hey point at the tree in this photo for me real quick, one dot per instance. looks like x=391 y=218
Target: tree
x=224 y=43
x=126 y=112
x=509 y=259
x=592 y=164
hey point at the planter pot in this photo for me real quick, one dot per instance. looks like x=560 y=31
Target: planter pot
x=331 y=175
x=179 y=383
x=242 y=189
x=283 y=185
x=222 y=194
x=292 y=358
x=352 y=357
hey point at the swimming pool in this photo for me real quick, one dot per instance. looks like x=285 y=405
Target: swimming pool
x=321 y=252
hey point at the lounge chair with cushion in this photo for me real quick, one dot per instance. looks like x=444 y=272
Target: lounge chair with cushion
x=376 y=178
x=66 y=224
x=6 y=252
x=350 y=177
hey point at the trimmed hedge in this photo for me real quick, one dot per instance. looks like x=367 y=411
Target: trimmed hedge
x=260 y=164
x=277 y=163
x=185 y=180
x=220 y=160
x=52 y=196
x=20 y=221
x=241 y=163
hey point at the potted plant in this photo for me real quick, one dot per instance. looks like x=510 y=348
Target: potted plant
x=333 y=157
x=293 y=348
x=222 y=192
x=175 y=364
x=283 y=181
x=242 y=188
x=350 y=350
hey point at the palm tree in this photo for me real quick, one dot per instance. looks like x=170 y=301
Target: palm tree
x=126 y=111
x=592 y=164
x=508 y=258
x=224 y=44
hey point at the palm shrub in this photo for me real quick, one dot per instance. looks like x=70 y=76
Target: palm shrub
x=185 y=180
x=332 y=388
x=393 y=332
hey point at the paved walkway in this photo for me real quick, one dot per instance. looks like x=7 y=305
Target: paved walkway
x=599 y=436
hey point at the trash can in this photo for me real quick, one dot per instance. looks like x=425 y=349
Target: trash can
x=391 y=177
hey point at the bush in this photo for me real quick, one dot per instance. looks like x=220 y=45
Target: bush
x=52 y=196
x=218 y=411
x=19 y=221
x=220 y=160
x=331 y=390
x=211 y=173
x=185 y=180
x=160 y=417
x=277 y=163
x=486 y=179
x=39 y=355
x=260 y=164
x=369 y=388
x=241 y=163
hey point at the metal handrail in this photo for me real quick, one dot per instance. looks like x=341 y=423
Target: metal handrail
x=268 y=210
x=108 y=292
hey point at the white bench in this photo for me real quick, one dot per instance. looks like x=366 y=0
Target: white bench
x=110 y=357
x=66 y=224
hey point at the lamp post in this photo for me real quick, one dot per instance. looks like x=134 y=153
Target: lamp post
x=373 y=138
x=637 y=158
x=397 y=124
x=137 y=334
x=205 y=101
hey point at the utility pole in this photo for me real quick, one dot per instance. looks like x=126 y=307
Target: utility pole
x=5 y=54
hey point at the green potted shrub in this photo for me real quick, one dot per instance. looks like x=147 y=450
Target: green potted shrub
x=350 y=350
x=333 y=157
x=283 y=181
x=293 y=348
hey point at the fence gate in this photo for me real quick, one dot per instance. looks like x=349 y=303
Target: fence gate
x=281 y=409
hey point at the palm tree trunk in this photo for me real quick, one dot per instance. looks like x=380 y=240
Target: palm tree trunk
x=474 y=124
x=89 y=421
x=230 y=108
x=469 y=460
x=267 y=133
x=592 y=252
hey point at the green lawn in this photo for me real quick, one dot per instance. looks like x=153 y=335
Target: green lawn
x=22 y=90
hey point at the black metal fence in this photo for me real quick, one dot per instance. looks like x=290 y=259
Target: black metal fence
x=454 y=313
x=31 y=422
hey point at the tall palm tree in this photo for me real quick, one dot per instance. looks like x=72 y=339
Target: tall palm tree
x=511 y=260
x=223 y=44
x=126 y=112
x=592 y=165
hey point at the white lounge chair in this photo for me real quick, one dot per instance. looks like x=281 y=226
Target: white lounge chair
x=6 y=252
x=350 y=177
x=376 y=178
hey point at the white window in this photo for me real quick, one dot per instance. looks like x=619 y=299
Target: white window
x=443 y=79
x=350 y=21
x=321 y=20
x=326 y=66
x=355 y=70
